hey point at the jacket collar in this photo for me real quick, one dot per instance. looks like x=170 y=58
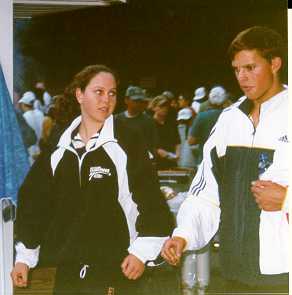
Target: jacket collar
x=106 y=133
x=246 y=105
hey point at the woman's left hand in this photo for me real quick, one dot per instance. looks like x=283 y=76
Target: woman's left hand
x=132 y=267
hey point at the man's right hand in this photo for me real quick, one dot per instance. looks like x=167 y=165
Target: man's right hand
x=19 y=274
x=172 y=250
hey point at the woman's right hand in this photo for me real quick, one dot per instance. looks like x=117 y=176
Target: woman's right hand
x=19 y=274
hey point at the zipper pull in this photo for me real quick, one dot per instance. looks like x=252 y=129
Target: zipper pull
x=254 y=131
x=83 y=271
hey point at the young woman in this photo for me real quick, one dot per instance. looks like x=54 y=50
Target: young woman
x=92 y=205
x=168 y=137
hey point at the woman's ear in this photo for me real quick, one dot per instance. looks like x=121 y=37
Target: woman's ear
x=276 y=64
x=79 y=95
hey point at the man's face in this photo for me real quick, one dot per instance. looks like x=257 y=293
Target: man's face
x=40 y=85
x=257 y=77
x=135 y=107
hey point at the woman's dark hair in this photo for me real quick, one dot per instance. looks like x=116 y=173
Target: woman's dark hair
x=266 y=41
x=82 y=79
x=67 y=106
x=65 y=111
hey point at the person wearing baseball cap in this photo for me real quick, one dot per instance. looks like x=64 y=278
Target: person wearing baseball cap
x=205 y=120
x=134 y=117
x=200 y=94
x=34 y=119
x=188 y=158
x=27 y=98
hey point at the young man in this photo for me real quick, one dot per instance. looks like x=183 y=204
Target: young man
x=242 y=179
x=135 y=117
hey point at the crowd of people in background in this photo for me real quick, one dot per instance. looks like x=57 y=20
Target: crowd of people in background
x=171 y=124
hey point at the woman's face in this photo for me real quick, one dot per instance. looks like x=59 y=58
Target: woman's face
x=98 y=100
x=161 y=111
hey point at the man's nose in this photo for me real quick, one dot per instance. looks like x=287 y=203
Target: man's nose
x=241 y=75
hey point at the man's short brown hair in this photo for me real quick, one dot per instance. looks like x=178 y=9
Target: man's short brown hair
x=266 y=41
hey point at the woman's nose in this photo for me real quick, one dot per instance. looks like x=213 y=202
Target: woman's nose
x=106 y=97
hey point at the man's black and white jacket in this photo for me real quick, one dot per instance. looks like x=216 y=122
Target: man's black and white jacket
x=252 y=240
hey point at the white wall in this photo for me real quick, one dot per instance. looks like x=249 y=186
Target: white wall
x=6 y=42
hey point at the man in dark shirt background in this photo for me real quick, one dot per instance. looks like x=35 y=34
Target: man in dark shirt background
x=135 y=117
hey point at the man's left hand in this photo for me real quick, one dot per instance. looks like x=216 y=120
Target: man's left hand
x=269 y=196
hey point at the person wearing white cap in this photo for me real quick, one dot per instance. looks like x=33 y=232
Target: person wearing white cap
x=187 y=157
x=204 y=121
x=34 y=119
x=207 y=119
x=200 y=94
x=217 y=96
x=43 y=98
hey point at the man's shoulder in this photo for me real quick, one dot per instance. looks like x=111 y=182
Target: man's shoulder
x=229 y=114
x=129 y=138
x=120 y=115
x=235 y=105
x=123 y=130
x=285 y=95
x=147 y=118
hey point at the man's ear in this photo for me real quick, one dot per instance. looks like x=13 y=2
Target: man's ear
x=79 y=95
x=276 y=64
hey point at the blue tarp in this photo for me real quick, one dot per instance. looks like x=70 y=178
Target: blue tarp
x=13 y=157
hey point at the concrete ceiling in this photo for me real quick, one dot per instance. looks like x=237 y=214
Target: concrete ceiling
x=24 y=9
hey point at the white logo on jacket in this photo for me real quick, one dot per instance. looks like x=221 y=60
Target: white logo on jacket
x=98 y=172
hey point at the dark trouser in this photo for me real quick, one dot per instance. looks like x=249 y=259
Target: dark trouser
x=158 y=281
